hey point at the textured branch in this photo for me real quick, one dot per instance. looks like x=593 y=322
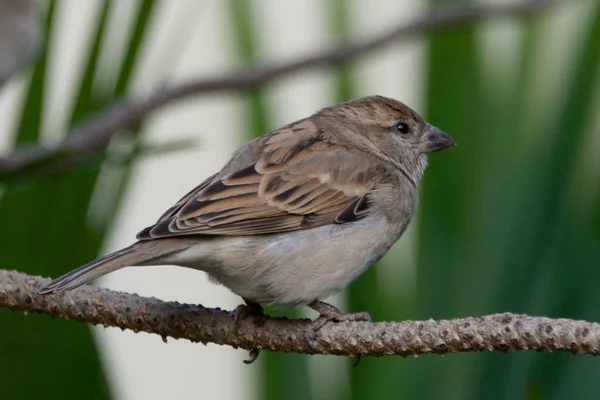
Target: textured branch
x=93 y=135
x=502 y=332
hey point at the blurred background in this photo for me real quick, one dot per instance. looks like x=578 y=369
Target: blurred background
x=509 y=220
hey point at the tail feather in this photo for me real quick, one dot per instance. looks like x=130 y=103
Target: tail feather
x=136 y=254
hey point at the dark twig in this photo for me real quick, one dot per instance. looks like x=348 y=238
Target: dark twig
x=502 y=332
x=93 y=135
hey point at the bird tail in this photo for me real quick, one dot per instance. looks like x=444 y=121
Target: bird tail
x=139 y=253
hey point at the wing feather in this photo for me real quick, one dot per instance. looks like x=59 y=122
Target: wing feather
x=296 y=183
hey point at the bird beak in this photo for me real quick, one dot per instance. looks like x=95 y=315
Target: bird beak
x=435 y=140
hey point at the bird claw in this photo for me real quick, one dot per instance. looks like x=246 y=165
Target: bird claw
x=323 y=320
x=329 y=313
x=253 y=354
x=245 y=310
x=242 y=311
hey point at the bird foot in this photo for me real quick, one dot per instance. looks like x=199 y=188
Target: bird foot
x=253 y=354
x=329 y=313
x=246 y=310
x=242 y=311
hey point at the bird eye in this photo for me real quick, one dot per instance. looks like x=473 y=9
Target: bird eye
x=403 y=128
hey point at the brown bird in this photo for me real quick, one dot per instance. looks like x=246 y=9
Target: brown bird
x=297 y=214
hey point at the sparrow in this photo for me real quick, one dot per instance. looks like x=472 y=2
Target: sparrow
x=297 y=214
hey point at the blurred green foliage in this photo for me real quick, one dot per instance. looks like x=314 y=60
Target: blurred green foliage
x=501 y=224
x=509 y=220
x=52 y=215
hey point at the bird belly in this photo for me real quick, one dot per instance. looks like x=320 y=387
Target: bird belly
x=295 y=268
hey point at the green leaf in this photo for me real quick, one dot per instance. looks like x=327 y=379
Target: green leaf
x=501 y=225
x=40 y=237
x=50 y=234
x=447 y=275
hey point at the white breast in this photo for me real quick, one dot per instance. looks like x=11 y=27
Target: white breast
x=294 y=268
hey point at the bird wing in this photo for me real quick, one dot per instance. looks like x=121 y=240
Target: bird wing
x=296 y=183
